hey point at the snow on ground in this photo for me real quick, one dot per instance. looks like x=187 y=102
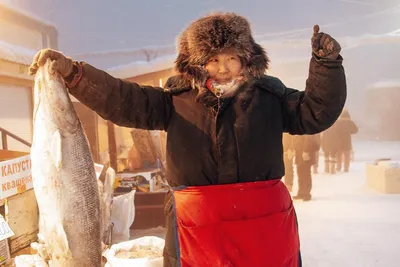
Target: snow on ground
x=346 y=224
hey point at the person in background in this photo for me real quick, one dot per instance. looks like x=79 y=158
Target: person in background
x=288 y=156
x=345 y=127
x=316 y=164
x=329 y=144
x=305 y=147
x=227 y=205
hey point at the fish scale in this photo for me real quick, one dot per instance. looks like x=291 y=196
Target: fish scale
x=64 y=177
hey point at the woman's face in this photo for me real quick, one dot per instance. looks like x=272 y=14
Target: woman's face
x=224 y=67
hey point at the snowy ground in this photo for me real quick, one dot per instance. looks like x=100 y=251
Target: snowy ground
x=346 y=224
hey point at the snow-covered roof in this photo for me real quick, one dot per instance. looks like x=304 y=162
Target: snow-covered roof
x=8 y=5
x=112 y=58
x=162 y=49
x=16 y=75
x=386 y=84
x=142 y=67
x=15 y=53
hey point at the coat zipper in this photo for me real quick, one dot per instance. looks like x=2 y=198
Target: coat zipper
x=216 y=138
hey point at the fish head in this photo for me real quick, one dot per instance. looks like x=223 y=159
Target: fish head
x=51 y=94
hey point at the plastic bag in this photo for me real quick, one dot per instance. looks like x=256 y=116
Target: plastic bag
x=152 y=241
x=122 y=216
x=106 y=192
x=29 y=261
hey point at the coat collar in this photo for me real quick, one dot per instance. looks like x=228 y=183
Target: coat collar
x=180 y=83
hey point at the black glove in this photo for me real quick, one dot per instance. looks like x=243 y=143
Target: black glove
x=324 y=46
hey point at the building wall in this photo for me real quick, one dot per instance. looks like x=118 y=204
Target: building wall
x=153 y=79
x=21 y=36
x=17 y=117
x=33 y=33
x=383 y=113
x=123 y=137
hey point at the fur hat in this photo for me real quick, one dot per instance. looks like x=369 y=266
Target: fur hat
x=215 y=33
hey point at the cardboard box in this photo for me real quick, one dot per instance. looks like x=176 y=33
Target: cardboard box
x=382 y=178
x=19 y=200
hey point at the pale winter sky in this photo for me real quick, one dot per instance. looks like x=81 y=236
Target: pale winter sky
x=98 y=25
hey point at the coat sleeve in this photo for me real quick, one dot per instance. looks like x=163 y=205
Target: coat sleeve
x=124 y=103
x=317 y=107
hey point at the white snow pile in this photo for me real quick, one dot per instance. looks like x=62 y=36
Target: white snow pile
x=15 y=53
x=142 y=67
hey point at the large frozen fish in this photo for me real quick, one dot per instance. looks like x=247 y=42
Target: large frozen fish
x=64 y=178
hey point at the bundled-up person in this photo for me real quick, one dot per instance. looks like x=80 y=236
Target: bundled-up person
x=329 y=145
x=305 y=147
x=288 y=156
x=345 y=127
x=316 y=162
x=225 y=118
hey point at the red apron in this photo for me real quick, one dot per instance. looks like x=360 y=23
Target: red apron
x=236 y=225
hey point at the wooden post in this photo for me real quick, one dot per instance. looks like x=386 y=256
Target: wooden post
x=4 y=140
x=112 y=145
